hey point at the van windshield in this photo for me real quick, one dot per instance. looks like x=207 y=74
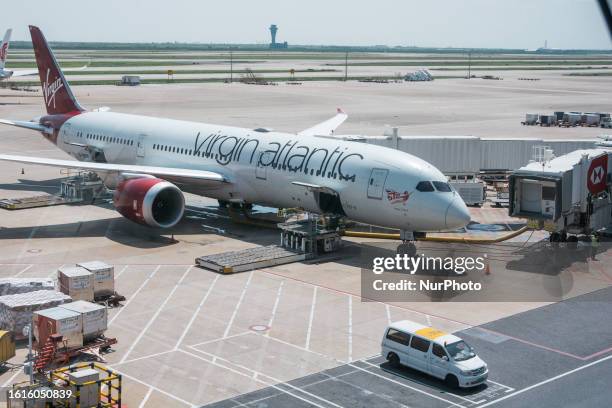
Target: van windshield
x=460 y=351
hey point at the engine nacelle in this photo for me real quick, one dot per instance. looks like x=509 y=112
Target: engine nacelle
x=150 y=201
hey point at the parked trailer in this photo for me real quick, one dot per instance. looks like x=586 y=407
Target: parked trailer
x=548 y=120
x=531 y=119
x=473 y=192
x=571 y=119
x=568 y=194
x=591 y=119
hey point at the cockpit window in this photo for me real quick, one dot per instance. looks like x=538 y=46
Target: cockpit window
x=424 y=186
x=443 y=187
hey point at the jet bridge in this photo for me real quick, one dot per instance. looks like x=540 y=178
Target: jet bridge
x=569 y=194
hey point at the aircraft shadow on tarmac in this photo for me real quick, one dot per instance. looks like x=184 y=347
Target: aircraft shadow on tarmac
x=48 y=186
x=207 y=221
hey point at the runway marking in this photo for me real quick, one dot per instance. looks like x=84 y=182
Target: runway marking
x=231 y=321
x=547 y=381
x=331 y=289
x=407 y=386
x=418 y=382
x=22 y=271
x=311 y=318
x=467 y=325
x=350 y=329
x=357 y=386
x=9 y=382
x=298 y=347
x=388 y=310
x=156 y=315
x=272 y=384
x=146 y=398
x=509 y=389
x=134 y=295
x=197 y=311
x=121 y=271
x=161 y=353
x=428 y=318
x=275 y=307
x=541 y=346
x=155 y=388
x=221 y=339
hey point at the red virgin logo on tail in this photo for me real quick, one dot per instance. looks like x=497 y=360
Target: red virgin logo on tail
x=598 y=174
x=3 y=50
x=50 y=89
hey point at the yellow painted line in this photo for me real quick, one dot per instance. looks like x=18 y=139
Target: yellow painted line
x=430 y=333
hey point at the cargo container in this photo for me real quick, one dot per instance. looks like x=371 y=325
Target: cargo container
x=12 y=286
x=16 y=310
x=89 y=394
x=591 y=119
x=94 y=317
x=548 y=120
x=58 y=320
x=559 y=115
x=104 y=277
x=7 y=346
x=473 y=192
x=76 y=282
x=531 y=119
x=572 y=118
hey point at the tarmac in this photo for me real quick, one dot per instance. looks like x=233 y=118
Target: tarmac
x=301 y=334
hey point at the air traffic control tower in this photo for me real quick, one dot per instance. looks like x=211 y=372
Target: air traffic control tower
x=274 y=44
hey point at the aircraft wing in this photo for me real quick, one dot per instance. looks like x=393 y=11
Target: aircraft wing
x=326 y=128
x=25 y=72
x=26 y=125
x=162 y=172
x=28 y=72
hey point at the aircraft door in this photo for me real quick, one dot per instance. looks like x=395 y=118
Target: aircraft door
x=376 y=184
x=140 y=145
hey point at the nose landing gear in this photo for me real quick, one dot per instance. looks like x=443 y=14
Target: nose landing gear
x=407 y=247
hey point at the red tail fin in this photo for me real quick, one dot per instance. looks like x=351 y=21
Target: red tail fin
x=56 y=91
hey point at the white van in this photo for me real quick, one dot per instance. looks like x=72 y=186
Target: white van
x=434 y=352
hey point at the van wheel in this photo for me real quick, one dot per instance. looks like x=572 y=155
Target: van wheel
x=452 y=381
x=394 y=360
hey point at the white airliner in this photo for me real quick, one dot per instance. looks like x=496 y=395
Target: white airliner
x=150 y=162
x=4 y=73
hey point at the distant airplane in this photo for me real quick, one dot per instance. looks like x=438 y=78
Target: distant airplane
x=151 y=161
x=6 y=74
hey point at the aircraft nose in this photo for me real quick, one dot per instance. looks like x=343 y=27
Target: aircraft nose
x=457 y=214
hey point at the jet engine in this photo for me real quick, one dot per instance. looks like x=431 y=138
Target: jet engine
x=150 y=201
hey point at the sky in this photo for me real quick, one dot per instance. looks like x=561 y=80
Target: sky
x=425 y=23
